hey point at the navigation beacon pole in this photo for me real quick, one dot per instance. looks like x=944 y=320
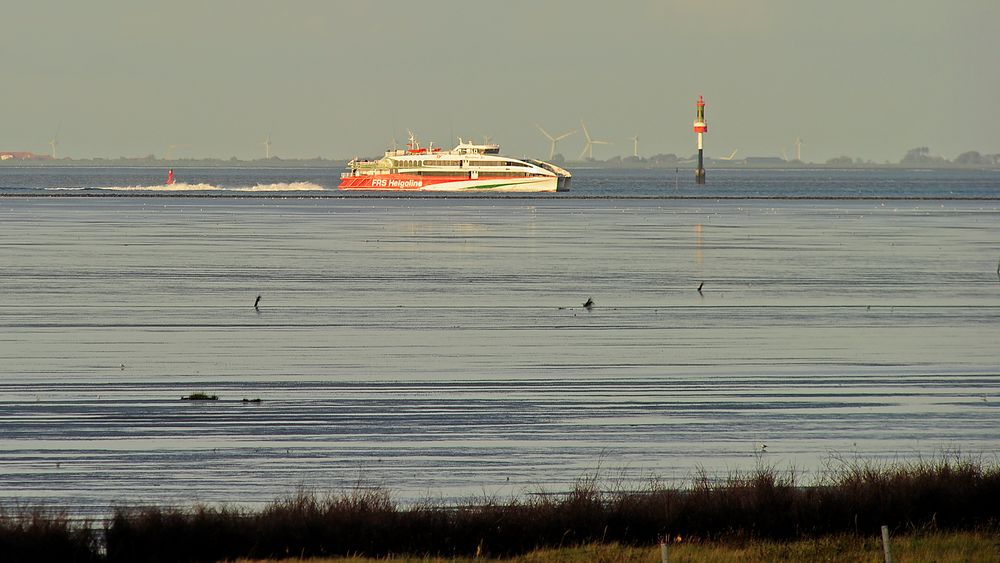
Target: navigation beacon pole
x=700 y=126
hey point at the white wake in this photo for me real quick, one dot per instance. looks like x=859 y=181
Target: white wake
x=185 y=187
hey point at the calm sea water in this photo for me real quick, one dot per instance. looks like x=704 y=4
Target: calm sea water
x=439 y=347
x=320 y=182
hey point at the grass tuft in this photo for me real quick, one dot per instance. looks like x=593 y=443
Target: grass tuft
x=39 y=537
x=200 y=397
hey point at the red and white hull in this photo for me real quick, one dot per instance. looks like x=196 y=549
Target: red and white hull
x=466 y=168
x=408 y=183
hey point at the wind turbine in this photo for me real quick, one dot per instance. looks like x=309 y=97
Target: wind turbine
x=635 y=146
x=55 y=142
x=798 y=149
x=267 y=146
x=553 y=140
x=588 y=149
x=170 y=151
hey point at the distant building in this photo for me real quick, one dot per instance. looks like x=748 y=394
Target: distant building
x=20 y=155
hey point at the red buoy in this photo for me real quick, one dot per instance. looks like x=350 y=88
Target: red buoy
x=170 y=176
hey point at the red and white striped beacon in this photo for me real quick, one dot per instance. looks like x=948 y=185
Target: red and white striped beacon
x=700 y=127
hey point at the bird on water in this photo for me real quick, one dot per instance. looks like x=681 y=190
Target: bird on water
x=701 y=285
x=589 y=304
x=256 y=301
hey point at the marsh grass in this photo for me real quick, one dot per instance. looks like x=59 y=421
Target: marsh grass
x=762 y=507
x=966 y=547
x=38 y=536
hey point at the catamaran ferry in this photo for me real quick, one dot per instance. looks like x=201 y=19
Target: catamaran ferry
x=467 y=167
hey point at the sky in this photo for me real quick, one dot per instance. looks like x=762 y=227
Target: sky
x=337 y=79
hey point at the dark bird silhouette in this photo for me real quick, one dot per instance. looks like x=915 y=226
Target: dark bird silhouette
x=256 y=301
x=589 y=304
x=701 y=285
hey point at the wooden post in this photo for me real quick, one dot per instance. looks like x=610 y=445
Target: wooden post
x=664 y=556
x=885 y=544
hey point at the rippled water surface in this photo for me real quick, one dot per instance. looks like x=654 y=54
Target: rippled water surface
x=586 y=182
x=439 y=347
